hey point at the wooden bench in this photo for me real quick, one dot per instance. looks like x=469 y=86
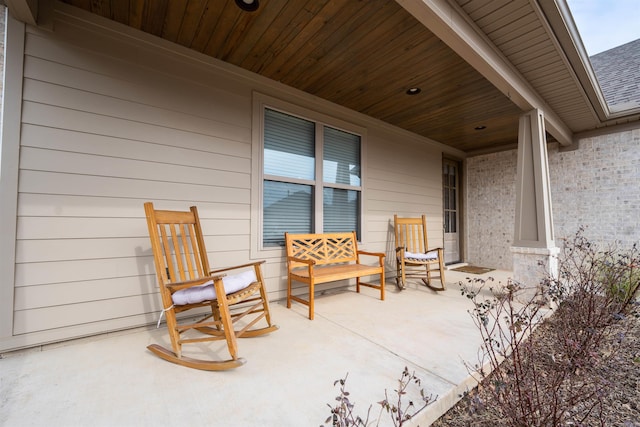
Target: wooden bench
x=329 y=257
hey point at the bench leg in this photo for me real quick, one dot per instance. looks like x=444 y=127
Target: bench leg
x=311 y=299
x=289 y=292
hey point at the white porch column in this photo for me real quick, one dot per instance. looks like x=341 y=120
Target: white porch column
x=534 y=250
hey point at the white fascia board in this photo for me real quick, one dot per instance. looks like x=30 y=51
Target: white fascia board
x=561 y=21
x=454 y=28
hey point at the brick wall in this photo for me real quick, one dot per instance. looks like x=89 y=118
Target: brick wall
x=490 y=207
x=596 y=186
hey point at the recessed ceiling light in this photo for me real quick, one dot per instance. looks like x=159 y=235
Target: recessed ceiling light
x=481 y=127
x=413 y=91
x=248 y=5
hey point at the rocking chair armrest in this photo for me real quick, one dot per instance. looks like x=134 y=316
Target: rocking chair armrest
x=176 y=286
x=235 y=267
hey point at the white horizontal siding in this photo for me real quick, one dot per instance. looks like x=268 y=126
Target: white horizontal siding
x=55 y=249
x=133 y=73
x=405 y=179
x=58 y=294
x=227 y=153
x=114 y=127
x=52 y=249
x=60 y=316
x=92 y=206
x=101 y=135
x=102 y=186
x=83 y=228
x=79 y=270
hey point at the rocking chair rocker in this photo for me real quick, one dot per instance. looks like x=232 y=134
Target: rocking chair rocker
x=413 y=254
x=186 y=283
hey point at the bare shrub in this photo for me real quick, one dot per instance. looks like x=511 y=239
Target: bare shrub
x=343 y=414
x=547 y=378
x=593 y=289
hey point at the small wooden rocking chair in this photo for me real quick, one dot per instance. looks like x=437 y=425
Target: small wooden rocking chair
x=413 y=254
x=186 y=283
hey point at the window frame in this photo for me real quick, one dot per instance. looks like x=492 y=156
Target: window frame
x=262 y=102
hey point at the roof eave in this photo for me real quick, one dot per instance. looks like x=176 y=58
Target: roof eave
x=23 y=10
x=566 y=32
x=446 y=20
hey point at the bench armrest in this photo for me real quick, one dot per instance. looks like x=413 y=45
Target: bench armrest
x=235 y=267
x=310 y=264
x=304 y=261
x=380 y=255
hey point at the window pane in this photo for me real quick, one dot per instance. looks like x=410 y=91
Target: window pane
x=287 y=207
x=289 y=146
x=341 y=210
x=341 y=164
x=445 y=193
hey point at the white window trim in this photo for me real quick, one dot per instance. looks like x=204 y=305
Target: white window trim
x=260 y=102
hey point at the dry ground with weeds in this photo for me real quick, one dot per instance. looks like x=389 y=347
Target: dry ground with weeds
x=620 y=398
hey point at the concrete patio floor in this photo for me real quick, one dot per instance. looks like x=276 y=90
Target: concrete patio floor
x=288 y=380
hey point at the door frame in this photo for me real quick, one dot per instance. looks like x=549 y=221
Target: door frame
x=461 y=218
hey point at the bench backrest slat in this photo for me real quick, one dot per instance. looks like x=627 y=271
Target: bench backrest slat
x=327 y=248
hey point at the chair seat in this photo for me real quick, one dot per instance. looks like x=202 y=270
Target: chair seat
x=421 y=256
x=207 y=292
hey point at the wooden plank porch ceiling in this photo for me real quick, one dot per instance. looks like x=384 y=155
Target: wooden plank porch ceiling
x=363 y=55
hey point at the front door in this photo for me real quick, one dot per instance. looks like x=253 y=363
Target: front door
x=451 y=203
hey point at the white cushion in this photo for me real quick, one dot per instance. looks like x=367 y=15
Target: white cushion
x=207 y=292
x=428 y=256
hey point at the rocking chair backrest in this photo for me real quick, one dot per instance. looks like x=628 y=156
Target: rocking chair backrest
x=177 y=243
x=411 y=233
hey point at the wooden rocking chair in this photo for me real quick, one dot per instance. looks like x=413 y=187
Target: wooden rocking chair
x=187 y=283
x=413 y=254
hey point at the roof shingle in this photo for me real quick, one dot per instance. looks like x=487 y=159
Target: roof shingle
x=618 y=73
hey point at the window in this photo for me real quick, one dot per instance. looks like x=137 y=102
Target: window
x=301 y=194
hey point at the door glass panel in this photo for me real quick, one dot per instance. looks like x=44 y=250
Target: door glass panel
x=451 y=214
x=450 y=198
